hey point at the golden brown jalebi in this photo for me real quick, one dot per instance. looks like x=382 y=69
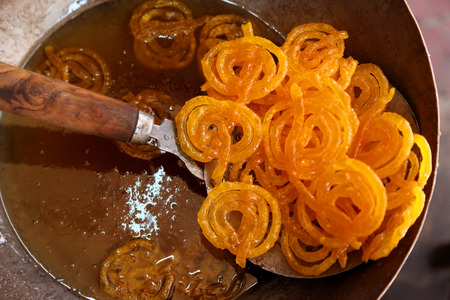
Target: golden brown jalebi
x=315 y=47
x=347 y=176
x=218 y=29
x=405 y=202
x=386 y=144
x=369 y=90
x=395 y=226
x=206 y=128
x=415 y=171
x=349 y=203
x=138 y=270
x=163 y=33
x=259 y=224
x=78 y=66
x=244 y=69
x=305 y=133
x=157 y=103
x=308 y=259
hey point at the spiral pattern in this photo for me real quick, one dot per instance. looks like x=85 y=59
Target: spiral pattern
x=315 y=47
x=138 y=270
x=78 y=66
x=259 y=224
x=210 y=129
x=164 y=34
x=218 y=29
x=244 y=69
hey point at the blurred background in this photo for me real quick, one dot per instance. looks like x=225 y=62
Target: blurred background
x=426 y=273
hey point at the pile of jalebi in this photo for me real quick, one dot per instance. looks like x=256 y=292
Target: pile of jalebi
x=157 y=103
x=79 y=66
x=138 y=270
x=305 y=126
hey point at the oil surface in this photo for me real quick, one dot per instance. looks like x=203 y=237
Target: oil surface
x=73 y=199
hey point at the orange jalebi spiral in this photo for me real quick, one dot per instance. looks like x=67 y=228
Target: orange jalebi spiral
x=157 y=103
x=405 y=202
x=369 y=90
x=315 y=47
x=78 y=66
x=322 y=134
x=157 y=12
x=412 y=173
x=370 y=93
x=138 y=270
x=346 y=203
x=386 y=144
x=307 y=259
x=302 y=136
x=395 y=226
x=259 y=224
x=163 y=33
x=244 y=69
x=206 y=131
x=218 y=29
x=350 y=200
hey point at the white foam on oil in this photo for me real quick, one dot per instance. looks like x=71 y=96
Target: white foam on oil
x=140 y=219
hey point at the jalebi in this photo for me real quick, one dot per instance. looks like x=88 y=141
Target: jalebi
x=244 y=69
x=218 y=29
x=369 y=90
x=298 y=254
x=313 y=127
x=349 y=203
x=405 y=202
x=157 y=103
x=259 y=224
x=78 y=66
x=397 y=223
x=138 y=270
x=315 y=47
x=206 y=129
x=347 y=175
x=163 y=33
x=386 y=144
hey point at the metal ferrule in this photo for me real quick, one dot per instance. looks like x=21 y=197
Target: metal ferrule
x=144 y=126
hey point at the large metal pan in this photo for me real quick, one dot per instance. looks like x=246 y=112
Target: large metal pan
x=383 y=32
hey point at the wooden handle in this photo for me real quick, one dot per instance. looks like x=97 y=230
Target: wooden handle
x=36 y=96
